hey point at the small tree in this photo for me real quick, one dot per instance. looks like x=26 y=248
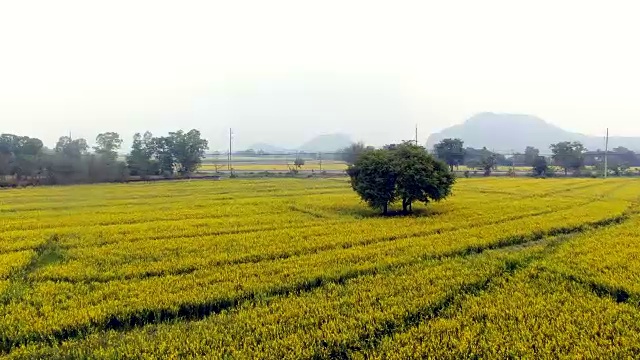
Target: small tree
x=298 y=162
x=488 y=163
x=531 y=155
x=540 y=166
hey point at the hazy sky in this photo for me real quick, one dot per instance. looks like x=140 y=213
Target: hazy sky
x=284 y=71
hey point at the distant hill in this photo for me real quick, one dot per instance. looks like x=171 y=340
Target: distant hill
x=326 y=143
x=506 y=132
x=321 y=143
x=267 y=148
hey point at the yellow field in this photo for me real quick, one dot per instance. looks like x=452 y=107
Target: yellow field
x=300 y=268
x=308 y=166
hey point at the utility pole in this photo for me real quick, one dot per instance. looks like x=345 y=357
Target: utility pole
x=229 y=159
x=320 y=159
x=416 y=134
x=606 y=152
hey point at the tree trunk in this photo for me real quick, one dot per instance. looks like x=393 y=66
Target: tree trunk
x=405 y=203
x=384 y=209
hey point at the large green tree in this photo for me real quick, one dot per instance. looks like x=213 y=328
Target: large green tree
x=187 y=149
x=451 y=151
x=403 y=172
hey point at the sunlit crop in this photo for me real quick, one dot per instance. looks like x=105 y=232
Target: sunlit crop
x=292 y=268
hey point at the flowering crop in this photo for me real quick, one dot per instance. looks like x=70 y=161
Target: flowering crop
x=300 y=268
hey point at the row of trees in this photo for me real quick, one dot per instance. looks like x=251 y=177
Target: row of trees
x=570 y=156
x=71 y=161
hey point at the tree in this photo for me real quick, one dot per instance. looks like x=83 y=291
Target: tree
x=373 y=177
x=163 y=152
x=451 y=151
x=298 y=162
x=568 y=155
x=623 y=157
x=351 y=153
x=540 y=166
x=72 y=148
x=139 y=160
x=403 y=172
x=187 y=149
x=419 y=176
x=20 y=156
x=531 y=154
x=108 y=145
x=488 y=163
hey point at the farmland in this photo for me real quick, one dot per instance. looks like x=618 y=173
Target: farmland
x=300 y=268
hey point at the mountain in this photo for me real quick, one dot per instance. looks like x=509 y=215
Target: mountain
x=267 y=148
x=507 y=132
x=326 y=143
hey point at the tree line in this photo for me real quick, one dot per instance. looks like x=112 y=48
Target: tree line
x=72 y=161
x=571 y=157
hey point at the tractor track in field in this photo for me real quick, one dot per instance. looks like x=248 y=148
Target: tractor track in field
x=198 y=311
x=606 y=291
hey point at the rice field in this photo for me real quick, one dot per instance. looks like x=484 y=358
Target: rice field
x=310 y=165
x=300 y=268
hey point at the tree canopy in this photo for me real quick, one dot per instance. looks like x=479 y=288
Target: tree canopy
x=108 y=145
x=451 y=151
x=568 y=155
x=531 y=154
x=540 y=166
x=351 y=153
x=404 y=172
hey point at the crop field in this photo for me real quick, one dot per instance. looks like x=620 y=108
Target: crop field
x=276 y=165
x=300 y=268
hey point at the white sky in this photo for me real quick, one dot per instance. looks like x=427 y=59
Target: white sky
x=283 y=71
